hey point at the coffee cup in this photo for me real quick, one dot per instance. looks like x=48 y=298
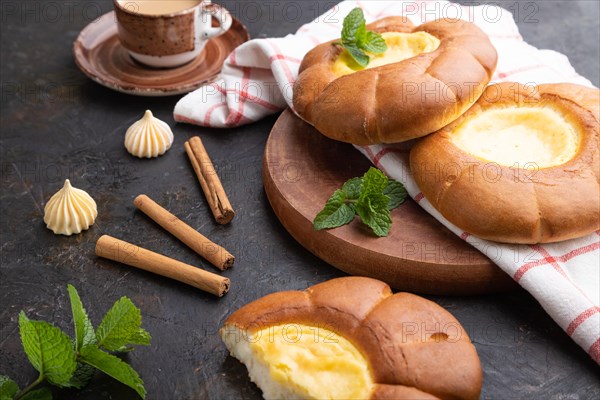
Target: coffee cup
x=167 y=34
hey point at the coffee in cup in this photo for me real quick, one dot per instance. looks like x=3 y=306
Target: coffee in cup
x=168 y=33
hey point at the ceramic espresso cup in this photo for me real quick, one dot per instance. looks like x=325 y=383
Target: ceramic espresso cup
x=167 y=34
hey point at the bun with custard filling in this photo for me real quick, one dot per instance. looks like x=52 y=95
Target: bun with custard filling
x=427 y=78
x=521 y=166
x=351 y=338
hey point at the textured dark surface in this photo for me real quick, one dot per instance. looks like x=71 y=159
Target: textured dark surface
x=57 y=124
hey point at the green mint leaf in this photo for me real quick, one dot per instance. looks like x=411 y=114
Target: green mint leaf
x=372 y=205
x=361 y=36
x=358 y=41
x=396 y=192
x=335 y=213
x=374 y=43
x=8 y=388
x=352 y=23
x=361 y=58
x=371 y=197
x=84 y=331
x=114 y=367
x=374 y=182
x=39 y=394
x=373 y=211
x=352 y=188
x=49 y=350
x=121 y=326
x=82 y=376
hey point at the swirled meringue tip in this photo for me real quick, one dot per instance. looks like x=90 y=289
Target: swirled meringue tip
x=149 y=137
x=70 y=211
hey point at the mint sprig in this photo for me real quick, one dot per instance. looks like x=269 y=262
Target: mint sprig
x=370 y=197
x=66 y=362
x=358 y=41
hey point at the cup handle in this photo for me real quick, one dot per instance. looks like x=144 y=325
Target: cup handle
x=210 y=10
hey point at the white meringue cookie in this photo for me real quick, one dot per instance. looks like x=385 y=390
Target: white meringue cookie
x=70 y=211
x=149 y=137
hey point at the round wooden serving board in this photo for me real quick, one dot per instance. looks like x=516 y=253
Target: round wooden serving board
x=302 y=168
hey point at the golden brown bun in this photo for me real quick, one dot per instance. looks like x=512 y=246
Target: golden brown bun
x=553 y=204
x=399 y=101
x=402 y=336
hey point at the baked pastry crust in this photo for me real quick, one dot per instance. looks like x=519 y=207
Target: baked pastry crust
x=415 y=349
x=518 y=205
x=399 y=101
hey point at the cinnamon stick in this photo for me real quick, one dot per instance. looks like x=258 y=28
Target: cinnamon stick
x=135 y=256
x=209 y=181
x=212 y=252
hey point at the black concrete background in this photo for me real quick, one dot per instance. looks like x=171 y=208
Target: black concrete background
x=57 y=124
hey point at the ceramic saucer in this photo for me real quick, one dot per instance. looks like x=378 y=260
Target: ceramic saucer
x=99 y=54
